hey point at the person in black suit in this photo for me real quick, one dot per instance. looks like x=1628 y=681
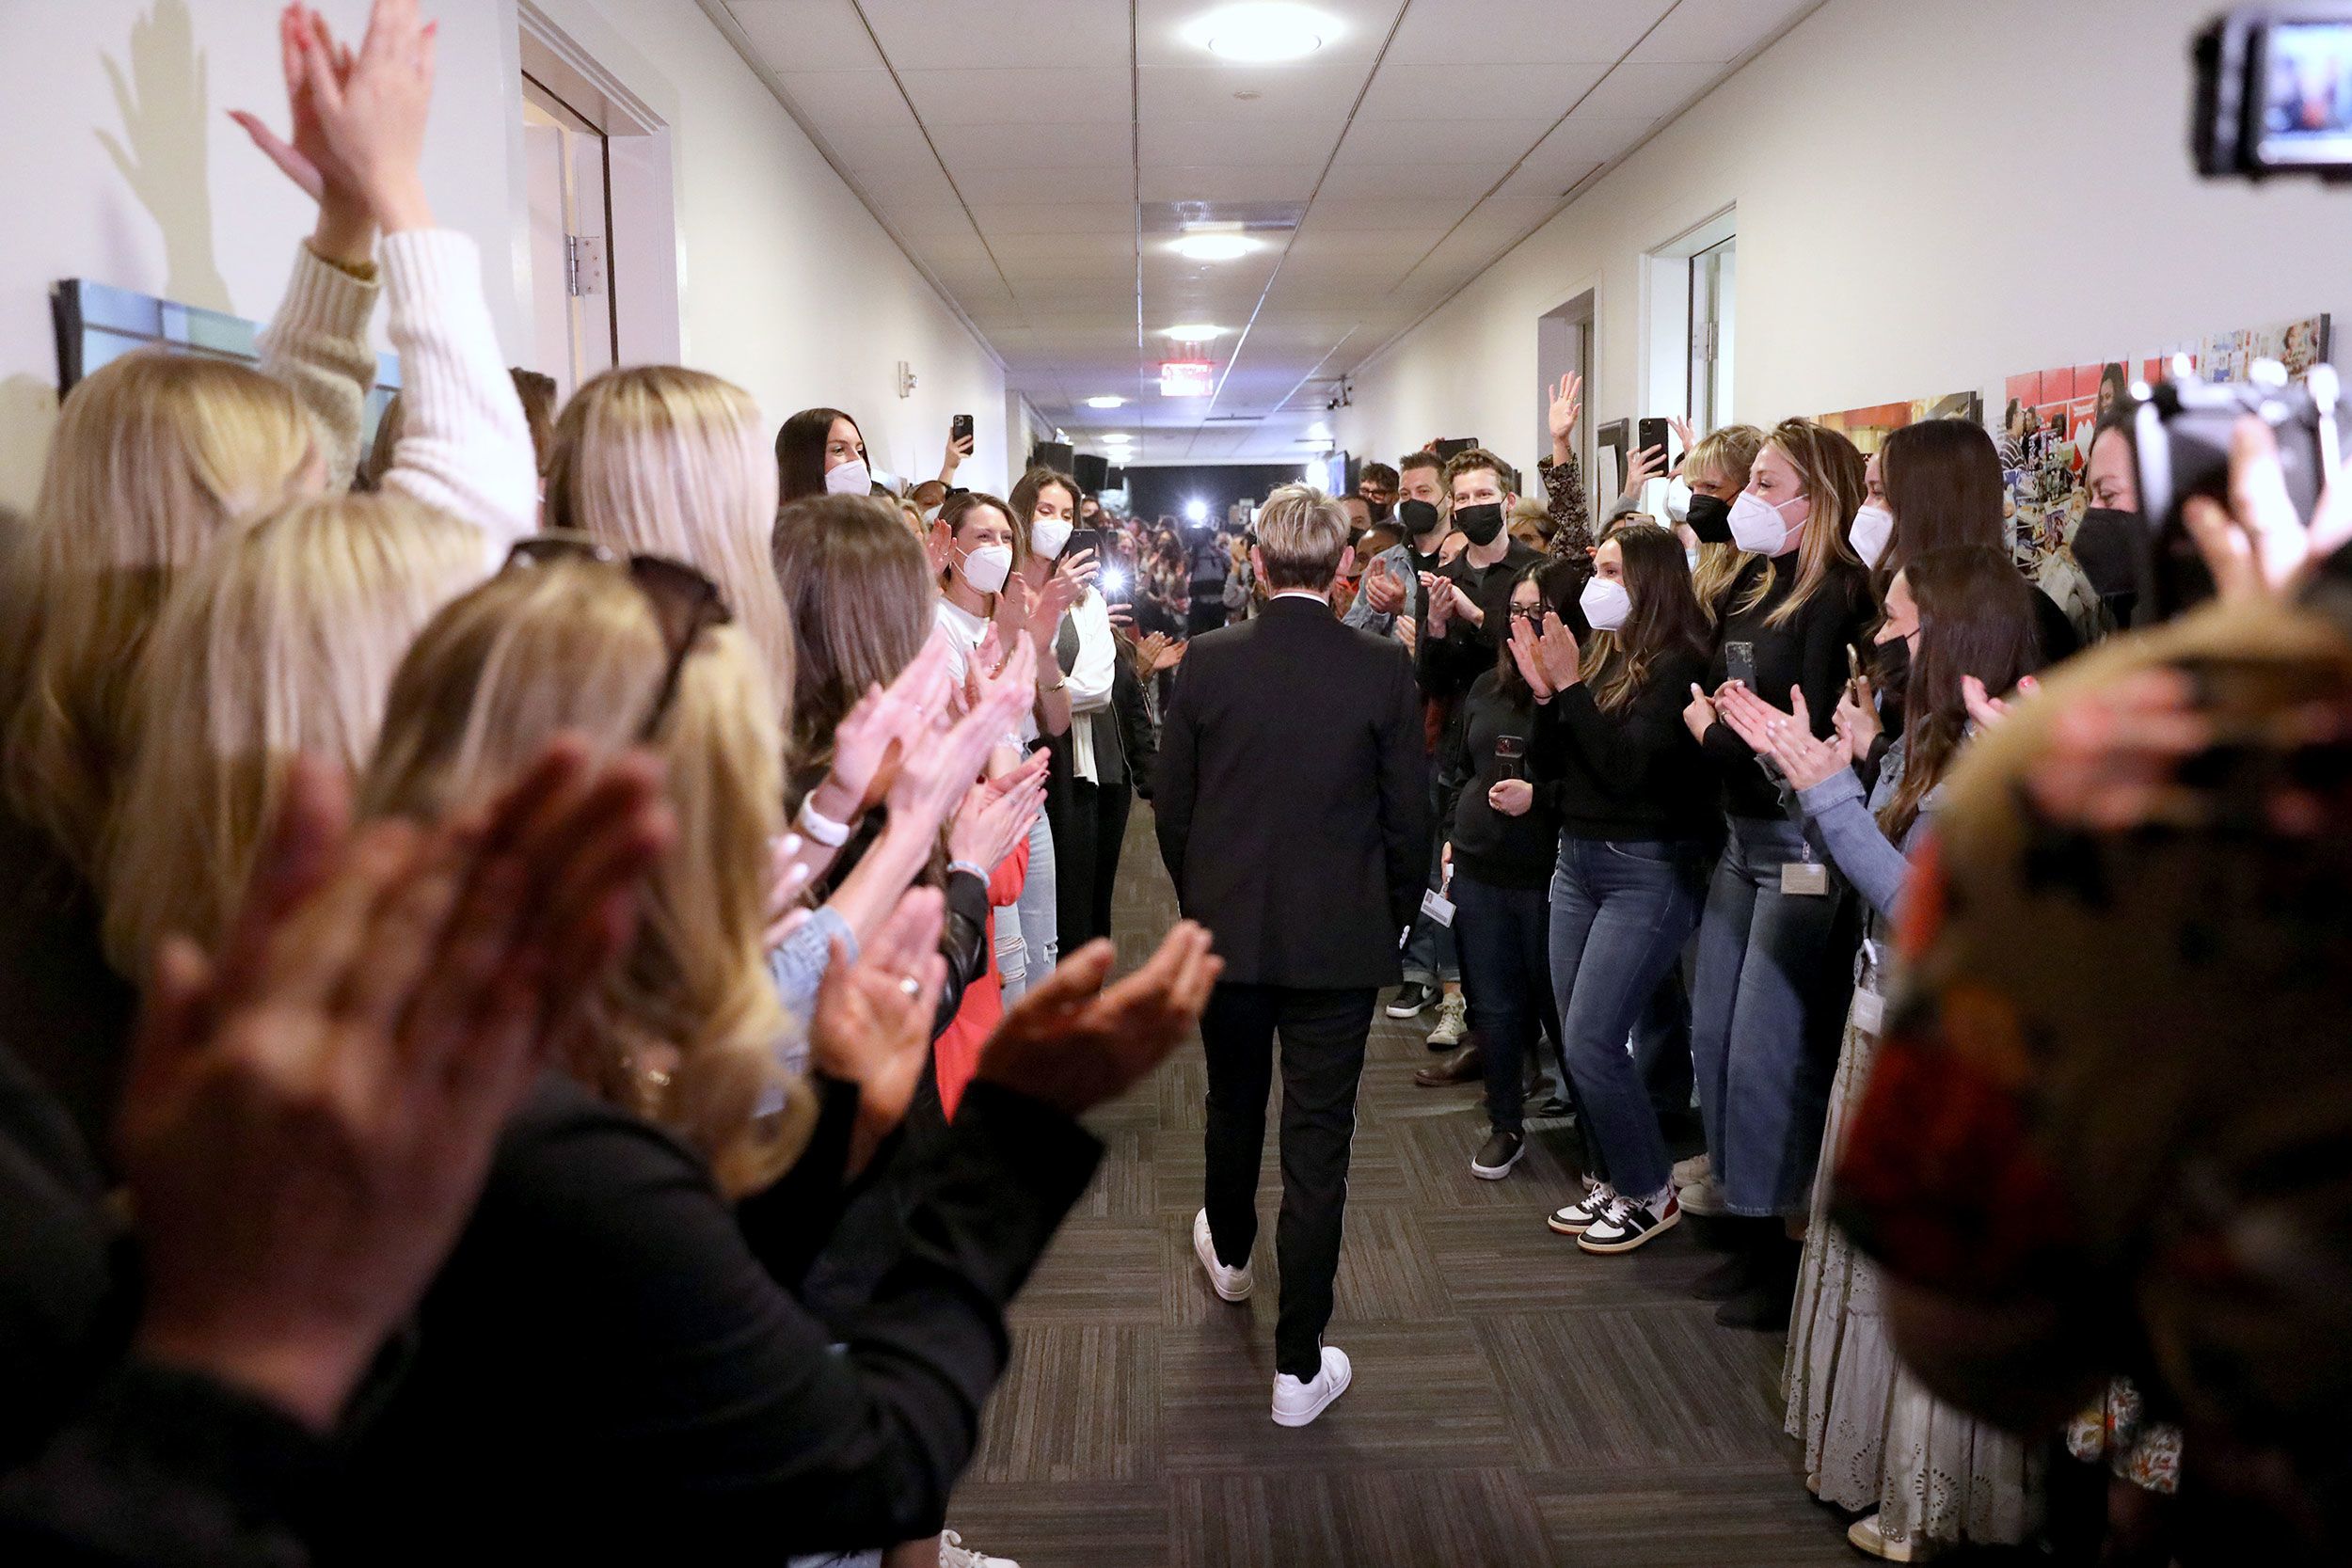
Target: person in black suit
x=1293 y=812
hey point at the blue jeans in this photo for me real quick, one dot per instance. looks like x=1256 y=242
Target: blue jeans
x=1767 y=1005
x=1431 y=956
x=1620 y=913
x=1027 y=944
x=1505 y=934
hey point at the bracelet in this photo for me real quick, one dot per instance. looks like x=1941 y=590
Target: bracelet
x=954 y=866
x=823 y=829
x=1060 y=685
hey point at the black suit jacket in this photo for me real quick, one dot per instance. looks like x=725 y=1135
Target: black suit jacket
x=1292 y=801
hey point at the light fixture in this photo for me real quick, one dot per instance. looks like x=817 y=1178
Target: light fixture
x=1116 y=438
x=1196 y=511
x=1319 y=431
x=1193 y=332
x=1264 y=32
x=1186 y=378
x=1106 y=403
x=1214 y=241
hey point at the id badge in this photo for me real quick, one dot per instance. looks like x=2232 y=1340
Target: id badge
x=1438 y=907
x=1870 y=1011
x=1805 y=880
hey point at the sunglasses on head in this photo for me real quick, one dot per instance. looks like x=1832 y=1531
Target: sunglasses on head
x=684 y=602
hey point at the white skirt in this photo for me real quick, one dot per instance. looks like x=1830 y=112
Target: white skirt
x=1875 y=1438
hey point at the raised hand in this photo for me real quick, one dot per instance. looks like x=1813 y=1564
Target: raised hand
x=991 y=823
x=933 y=780
x=308 y=1119
x=1381 y=588
x=1985 y=711
x=303 y=155
x=372 y=118
x=1683 y=433
x=1074 y=1044
x=1566 y=401
x=1645 y=466
x=2261 y=545
x=1528 y=654
x=1856 y=720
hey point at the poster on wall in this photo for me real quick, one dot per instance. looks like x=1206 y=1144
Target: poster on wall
x=1868 y=428
x=2048 y=418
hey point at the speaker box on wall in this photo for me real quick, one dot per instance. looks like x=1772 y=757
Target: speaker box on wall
x=1115 y=479
x=1091 y=472
x=1051 y=454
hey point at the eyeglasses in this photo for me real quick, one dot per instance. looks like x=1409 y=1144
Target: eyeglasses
x=1527 y=613
x=684 y=602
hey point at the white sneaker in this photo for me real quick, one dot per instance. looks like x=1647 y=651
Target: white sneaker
x=1453 y=1022
x=1296 y=1403
x=1230 y=1284
x=953 y=1553
x=1705 y=1196
x=1582 y=1216
x=1866 y=1537
x=1696 y=1169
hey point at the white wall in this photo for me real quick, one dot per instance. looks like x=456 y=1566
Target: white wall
x=788 y=284
x=1931 y=195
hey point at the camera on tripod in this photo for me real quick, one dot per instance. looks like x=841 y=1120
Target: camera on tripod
x=2274 y=93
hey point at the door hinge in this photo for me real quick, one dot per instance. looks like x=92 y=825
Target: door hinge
x=584 y=263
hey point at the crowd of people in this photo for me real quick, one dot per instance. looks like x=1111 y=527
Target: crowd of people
x=556 y=962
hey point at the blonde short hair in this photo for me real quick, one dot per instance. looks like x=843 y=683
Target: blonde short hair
x=661 y=460
x=154 y=456
x=1302 y=534
x=281 y=640
x=571 y=646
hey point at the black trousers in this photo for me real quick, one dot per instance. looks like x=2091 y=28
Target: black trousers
x=1089 y=831
x=1323 y=1035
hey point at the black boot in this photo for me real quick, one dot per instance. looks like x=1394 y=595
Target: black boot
x=1738 y=1270
x=1772 y=1290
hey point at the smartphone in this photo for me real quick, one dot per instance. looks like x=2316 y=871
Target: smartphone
x=1511 y=755
x=1740 y=663
x=1651 y=433
x=960 y=428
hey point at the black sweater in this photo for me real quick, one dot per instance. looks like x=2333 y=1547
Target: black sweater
x=1807 y=652
x=1634 y=773
x=1503 y=851
x=609 y=1369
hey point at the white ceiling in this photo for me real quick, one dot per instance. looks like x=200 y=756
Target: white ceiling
x=1037 y=158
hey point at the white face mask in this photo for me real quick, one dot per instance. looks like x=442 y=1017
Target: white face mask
x=1690 y=557
x=987 y=567
x=1758 y=526
x=849 y=479
x=1606 y=604
x=1050 y=536
x=1678 y=500
x=1873 y=526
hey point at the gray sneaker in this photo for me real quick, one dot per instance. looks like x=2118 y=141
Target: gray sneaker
x=1704 y=1197
x=1691 y=1172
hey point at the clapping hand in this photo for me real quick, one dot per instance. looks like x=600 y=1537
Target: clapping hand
x=1803 y=760
x=362 y=129
x=1985 y=711
x=1549 y=662
x=310 y=1116
x=1073 y=1043
x=991 y=823
x=872 y=1025
x=1381 y=590
x=1856 y=721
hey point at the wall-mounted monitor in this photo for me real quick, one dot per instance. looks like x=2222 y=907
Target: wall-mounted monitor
x=98 y=324
x=1091 y=472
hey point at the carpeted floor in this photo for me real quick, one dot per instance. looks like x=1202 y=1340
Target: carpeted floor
x=1515 y=1401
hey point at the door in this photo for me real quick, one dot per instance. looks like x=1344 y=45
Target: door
x=571 y=272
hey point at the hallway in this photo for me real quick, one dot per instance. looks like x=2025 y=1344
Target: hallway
x=1515 y=1402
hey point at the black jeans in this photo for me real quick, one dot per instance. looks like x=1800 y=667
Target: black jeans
x=1086 y=858
x=1504 y=937
x=1323 y=1035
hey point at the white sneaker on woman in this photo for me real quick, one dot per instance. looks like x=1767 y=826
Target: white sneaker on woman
x=1864 y=1536
x=1693 y=1170
x=953 y=1553
x=1296 y=1403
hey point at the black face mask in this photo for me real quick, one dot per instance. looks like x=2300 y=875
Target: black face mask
x=1894 y=668
x=1710 y=519
x=1480 y=524
x=2106 y=543
x=1420 y=519
x=1380 y=510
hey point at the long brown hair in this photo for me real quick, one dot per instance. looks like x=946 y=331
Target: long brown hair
x=1024 y=499
x=1975 y=618
x=1832 y=473
x=1557 y=583
x=1942 y=483
x=1666 y=617
x=801 y=451
x=861 y=596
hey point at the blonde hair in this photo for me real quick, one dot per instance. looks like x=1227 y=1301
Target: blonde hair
x=154 y=456
x=1831 y=470
x=661 y=460
x=1302 y=533
x=282 y=639
x=571 y=646
x=1728 y=454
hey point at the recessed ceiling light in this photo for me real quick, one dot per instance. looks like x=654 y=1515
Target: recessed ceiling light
x=1116 y=438
x=1193 y=332
x=1215 y=246
x=1264 y=32
x=1106 y=403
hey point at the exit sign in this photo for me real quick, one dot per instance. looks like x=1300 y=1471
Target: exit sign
x=1184 y=378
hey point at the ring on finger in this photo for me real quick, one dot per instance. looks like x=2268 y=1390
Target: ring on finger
x=910 y=985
